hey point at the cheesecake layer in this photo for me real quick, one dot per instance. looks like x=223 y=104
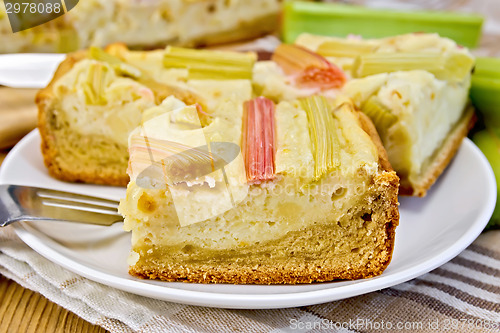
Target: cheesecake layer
x=356 y=243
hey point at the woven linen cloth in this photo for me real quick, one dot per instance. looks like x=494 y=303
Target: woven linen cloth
x=461 y=296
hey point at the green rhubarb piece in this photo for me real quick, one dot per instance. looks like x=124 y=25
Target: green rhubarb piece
x=325 y=143
x=485 y=91
x=118 y=64
x=344 y=48
x=487 y=67
x=381 y=116
x=212 y=65
x=450 y=67
x=96 y=83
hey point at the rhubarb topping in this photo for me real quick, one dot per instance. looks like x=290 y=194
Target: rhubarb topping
x=308 y=69
x=259 y=139
x=208 y=64
x=324 y=136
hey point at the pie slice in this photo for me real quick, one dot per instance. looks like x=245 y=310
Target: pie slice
x=291 y=192
x=97 y=98
x=415 y=89
x=144 y=24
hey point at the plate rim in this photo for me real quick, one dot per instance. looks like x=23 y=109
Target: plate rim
x=255 y=300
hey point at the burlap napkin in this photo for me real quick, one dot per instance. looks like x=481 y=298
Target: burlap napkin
x=460 y=296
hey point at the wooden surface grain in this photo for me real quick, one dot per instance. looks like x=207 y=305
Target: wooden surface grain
x=23 y=310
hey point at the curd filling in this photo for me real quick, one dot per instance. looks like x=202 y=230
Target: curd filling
x=153 y=22
x=121 y=101
x=172 y=148
x=292 y=200
x=266 y=213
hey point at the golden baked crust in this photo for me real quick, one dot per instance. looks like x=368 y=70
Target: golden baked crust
x=441 y=158
x=383 y=211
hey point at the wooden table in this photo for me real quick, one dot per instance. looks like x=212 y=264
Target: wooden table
x=23 y=310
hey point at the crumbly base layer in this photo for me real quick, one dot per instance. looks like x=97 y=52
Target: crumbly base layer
x=440 y=159
x=358 y=245
x=72 y=157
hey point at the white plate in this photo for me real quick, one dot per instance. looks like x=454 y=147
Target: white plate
x=432 y=231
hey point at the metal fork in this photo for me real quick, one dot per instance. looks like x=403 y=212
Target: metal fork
x=25 y=203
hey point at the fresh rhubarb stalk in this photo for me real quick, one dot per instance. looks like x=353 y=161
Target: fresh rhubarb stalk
x=325 y=143
x=308 y=69
x=489 y=143
x=342 y=20
x=209 y=64
x=259 y=139
x=485 y=91
x=487 y=67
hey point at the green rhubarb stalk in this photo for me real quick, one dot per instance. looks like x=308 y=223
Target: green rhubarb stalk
x=341 y=20
x=485 y=90
x=325 y=143
x=489 y=143
x=485 y=95
x=487 y=67
x=208 y=64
